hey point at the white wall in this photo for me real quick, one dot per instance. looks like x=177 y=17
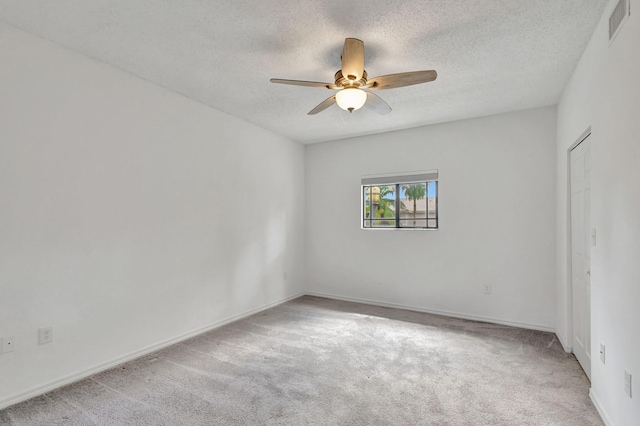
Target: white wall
x=604 y=93
x=497 y=220
x=129 y=215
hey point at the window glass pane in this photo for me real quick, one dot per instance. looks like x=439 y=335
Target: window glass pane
x=386 y=223
x=432 y=200
x=383 y=205
x=366 y=201
x=432 y=223
x=413 y=223
x=413 y=202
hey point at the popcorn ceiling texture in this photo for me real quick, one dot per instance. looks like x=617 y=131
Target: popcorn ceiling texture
x=492 y=56
x=317 y=361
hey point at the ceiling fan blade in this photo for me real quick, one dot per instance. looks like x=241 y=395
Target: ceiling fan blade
x=304 y=83
x=324 y=105
x=391 y=81
x=353 y=59
x=376 y=104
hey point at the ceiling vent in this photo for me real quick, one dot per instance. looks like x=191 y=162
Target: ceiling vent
x=618 y=18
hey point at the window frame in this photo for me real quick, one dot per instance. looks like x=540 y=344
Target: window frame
x=397 y=183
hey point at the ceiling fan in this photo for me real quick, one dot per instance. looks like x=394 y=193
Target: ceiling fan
x=351 y=82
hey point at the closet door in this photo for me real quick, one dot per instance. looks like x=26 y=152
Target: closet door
x=580 y=247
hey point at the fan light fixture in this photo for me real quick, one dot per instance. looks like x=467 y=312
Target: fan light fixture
x=351 y=99
x=354 y=88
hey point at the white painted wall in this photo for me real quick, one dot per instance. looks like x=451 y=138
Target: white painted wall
x=604 y=93
x=129 y=214
x=497 y=219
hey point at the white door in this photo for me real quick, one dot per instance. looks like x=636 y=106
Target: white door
x=580 y=248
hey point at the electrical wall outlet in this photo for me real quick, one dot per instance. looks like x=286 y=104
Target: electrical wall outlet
x=627 y=383
x=8 y=344
x=487 y=289
x=45 y=335
x=602 y=351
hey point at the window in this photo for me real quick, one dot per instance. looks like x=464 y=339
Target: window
x=406 y=201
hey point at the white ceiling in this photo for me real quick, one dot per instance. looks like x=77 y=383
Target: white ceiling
x=491 y=56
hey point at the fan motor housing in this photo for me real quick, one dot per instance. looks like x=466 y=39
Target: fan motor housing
x=344 y=82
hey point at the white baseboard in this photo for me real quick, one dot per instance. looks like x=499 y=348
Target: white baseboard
x=48 y=387
x=596 y=401
x=519 y=324
x=567 y=348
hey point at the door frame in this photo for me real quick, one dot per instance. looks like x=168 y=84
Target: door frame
x=569 y=277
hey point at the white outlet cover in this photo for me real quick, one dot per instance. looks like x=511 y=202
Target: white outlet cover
x=45 y=335
x=627 y=383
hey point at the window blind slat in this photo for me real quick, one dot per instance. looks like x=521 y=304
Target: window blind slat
x=392 y=180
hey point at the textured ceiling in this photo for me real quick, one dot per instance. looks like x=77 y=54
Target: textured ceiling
x=491 y=56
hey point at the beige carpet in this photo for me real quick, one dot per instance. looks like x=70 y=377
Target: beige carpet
x=316 y=361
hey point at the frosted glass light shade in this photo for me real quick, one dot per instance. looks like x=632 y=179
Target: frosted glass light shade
x=351 y=99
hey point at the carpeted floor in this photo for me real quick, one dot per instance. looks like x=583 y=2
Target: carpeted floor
x=316 y=361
